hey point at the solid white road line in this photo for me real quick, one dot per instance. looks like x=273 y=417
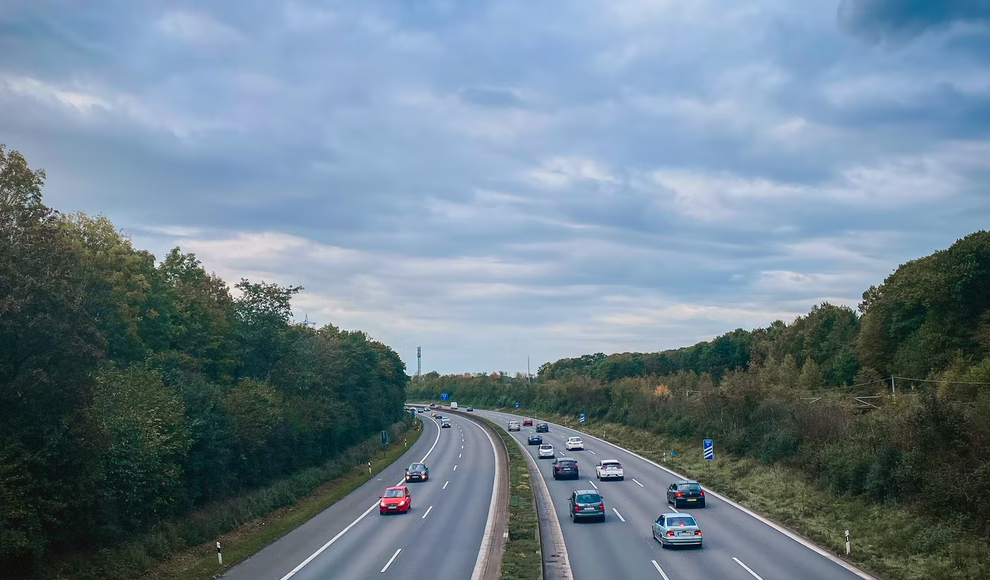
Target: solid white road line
x=638 y=483
x=659 y=569
x=593 y=484
x=486 y=537
x=355 y=522
x=622 y=519
x=427 y=513
x=755 y=575
x=454 y=469
x=390 y=560
x=444 y=486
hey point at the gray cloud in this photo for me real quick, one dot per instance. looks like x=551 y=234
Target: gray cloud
x=903 y=19
x=495 y=179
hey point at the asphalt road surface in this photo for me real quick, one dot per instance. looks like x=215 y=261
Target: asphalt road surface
x=439 y=538
x=737 y=545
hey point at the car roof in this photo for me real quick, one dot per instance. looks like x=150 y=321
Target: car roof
x=677 y=514
x=575 y=437
x=686 y=481
x=566 y=459
x=395 y=487
x=583 y=491
x=611 y=461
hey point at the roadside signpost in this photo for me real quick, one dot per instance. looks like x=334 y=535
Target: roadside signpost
x=384 y=441
x=581 y=418
x=443 y=396
x=517 y=404
x=708 y=449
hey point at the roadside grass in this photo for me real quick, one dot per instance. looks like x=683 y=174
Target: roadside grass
x=888 y=541
x=245 y=525
x=521 y=559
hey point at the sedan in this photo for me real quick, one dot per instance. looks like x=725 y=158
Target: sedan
x=469 y=409
x=542 y=428
x=395 y=499
x=675 y=529
x=417 y=472
x=574 y=443
x=527 y=422
x=687 y=492
x=546 y=451
x=535 y=439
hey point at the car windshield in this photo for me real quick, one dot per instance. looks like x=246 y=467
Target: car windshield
x=417 y=467
x=689 y=487
x=589 y=498
x=393 y=493
x=680 y=522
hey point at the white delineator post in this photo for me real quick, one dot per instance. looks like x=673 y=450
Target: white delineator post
x=848 y=545
x=369 y=468
x=219 y=555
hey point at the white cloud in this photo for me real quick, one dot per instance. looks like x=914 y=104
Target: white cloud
x=197 y=28
x=561 y=172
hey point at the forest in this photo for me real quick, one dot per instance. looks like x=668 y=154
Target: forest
x=135 y=389
x=887 y=402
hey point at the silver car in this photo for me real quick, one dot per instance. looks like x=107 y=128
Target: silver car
x=676 y=529
x=546 y=451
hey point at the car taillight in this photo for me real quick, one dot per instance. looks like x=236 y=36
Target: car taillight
x=701 y=494
x=575 y=507
x=677 y=494
x=601 y=507
x=669 y=534
x=697 y=532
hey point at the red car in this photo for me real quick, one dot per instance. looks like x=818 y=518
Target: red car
x=395 y=499
x=527 y=422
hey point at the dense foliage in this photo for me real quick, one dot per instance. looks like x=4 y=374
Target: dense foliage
x=787 y=393
x=134 y=390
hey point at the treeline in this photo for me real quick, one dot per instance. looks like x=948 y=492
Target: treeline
x=785 y=393
x=134 y=390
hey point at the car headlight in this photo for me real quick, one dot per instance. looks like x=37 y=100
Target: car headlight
x=381 y=504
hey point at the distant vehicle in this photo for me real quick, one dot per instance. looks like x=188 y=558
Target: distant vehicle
x=686 y=492
x=574 y=443
x=565 y=467
x=395 y=499
x=514 y=426
x=453 y=405
x=433 y=405
x=586 y=503
x=434 y=413
x=527 y=422
x=609 y=469
x=417 y=472
x=445 y=423
x=676 y=529
x=419 y=410
x=535 y=439
x=542 y=428
x=469 y=409
x=546 y=450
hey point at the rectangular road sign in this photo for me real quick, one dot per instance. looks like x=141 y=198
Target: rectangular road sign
x=581 y=418
x=517 y=404
x=443 y=396
x=707 y=446
x=384 y=437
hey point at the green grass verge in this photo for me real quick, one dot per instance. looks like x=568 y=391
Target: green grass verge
x=200 y=563
x=521 y=559
x=889 y=541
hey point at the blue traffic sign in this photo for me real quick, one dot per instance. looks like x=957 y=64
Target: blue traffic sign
x=517 y=404
x=384 y=437
x=443 y=396
x=707 y=447
x=581 y=418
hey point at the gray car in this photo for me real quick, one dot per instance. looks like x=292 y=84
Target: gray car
x=586 y=504
x=676 y=529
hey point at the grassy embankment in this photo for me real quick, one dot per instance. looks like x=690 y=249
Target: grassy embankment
x=256 y=530
x=888 y=541
x=521 y=559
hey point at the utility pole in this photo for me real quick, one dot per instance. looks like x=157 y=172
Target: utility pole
x=419 y=362
x=529 y=377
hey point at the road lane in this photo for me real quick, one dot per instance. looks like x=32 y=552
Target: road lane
x=395 y=545
x=731 y=535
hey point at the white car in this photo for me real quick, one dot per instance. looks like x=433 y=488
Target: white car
x=546 y=450
x=574 y=443
x=609 y=469
x=514 y=426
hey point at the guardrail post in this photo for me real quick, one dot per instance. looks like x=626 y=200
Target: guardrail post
x=848 y=544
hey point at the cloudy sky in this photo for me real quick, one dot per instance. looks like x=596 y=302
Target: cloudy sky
x=491 y=179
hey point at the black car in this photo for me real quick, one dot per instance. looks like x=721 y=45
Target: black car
x=535 y=439
x=586 y=503
x=565 y=467
x=684 y=493
x=469 y=409
x=417 y=472
x=542 y=428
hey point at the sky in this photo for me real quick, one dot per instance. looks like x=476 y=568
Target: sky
x=503 y=180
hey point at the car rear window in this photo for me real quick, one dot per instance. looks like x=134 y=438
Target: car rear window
x=546 y=446
x=675 y=522
x=565 y=463
x=611 y=465
x=589 y=498
x=689 y=487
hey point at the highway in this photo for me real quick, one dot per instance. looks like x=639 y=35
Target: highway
x=440 y=537
x=737 y=545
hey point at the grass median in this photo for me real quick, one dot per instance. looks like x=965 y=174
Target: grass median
x=888 y=541
x=521 y=559
x=200 y=563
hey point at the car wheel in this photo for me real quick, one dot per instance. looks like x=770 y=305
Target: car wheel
x=622 y=478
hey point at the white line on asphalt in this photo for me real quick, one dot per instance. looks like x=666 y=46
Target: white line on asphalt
x=675 y=510
x=561 y=453
x=592 y=452
x=755 y=575
x=462 y=447
x=459 y=455
x=593 y=484
x=390 y=560
x=444 y=486
x=622 y=519
x=454 y=469
x=638 y=483
x=427 y=513
x=486 y=536
x=659 y=569
x=355 y=522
